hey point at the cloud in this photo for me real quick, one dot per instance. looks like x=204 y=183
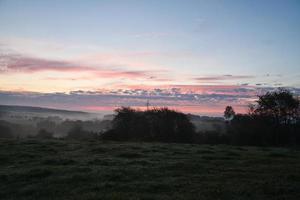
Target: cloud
x=210 y=99
x=79 y=100
x=14 y=63
x=223 y=77
x=198 y=89
x=18 y=63
x=172 y=97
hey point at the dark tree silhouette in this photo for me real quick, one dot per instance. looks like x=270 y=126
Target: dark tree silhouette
x=229 y=113
x=280 y=106
x=272 y=120
x=281 y=110
x=157 y=124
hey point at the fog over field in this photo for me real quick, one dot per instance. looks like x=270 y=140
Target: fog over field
x=27 y=121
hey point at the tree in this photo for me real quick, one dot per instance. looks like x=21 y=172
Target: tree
x=279 y=110
x=157 y=124
x=229 y=113
x=280 y=106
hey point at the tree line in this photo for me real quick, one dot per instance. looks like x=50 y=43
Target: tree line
x=272 y=120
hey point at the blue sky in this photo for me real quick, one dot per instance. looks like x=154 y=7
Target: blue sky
x=210 y=42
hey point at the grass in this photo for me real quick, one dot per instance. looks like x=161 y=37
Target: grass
x=62 y=169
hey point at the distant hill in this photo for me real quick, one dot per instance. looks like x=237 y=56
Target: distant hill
x=13 y=113
x=203 y=118
x=31 y=109
x=206 y=123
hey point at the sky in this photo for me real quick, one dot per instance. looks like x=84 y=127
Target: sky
x=192 y=56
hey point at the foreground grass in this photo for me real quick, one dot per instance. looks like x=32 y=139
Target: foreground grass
x=60 y=169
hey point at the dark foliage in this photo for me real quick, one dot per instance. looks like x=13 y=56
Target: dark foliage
x=274 y=120
x=279 y=106
x=229 y=113
x=249 y=130
x=158 y=124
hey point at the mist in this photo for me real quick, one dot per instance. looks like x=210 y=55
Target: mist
x=26 y=121
x=23 y=121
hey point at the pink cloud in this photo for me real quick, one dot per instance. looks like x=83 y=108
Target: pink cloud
x=21 y=64
x=200 y=89
x=211 y=102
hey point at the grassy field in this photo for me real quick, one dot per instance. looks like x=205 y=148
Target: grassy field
x=61 y=169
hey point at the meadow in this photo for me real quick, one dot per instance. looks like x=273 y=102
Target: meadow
x=73 y=169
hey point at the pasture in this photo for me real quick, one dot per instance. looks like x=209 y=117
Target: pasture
x=70 y=169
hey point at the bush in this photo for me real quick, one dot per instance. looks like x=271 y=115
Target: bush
x=158 y=124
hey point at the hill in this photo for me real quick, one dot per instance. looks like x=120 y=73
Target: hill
x=9 y=112
x=30 y=109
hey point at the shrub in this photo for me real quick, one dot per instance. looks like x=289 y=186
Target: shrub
x=157 y=124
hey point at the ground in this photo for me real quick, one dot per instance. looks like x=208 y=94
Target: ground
x=64 y=169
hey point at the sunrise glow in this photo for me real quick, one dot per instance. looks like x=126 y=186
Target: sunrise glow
x=186 y=55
